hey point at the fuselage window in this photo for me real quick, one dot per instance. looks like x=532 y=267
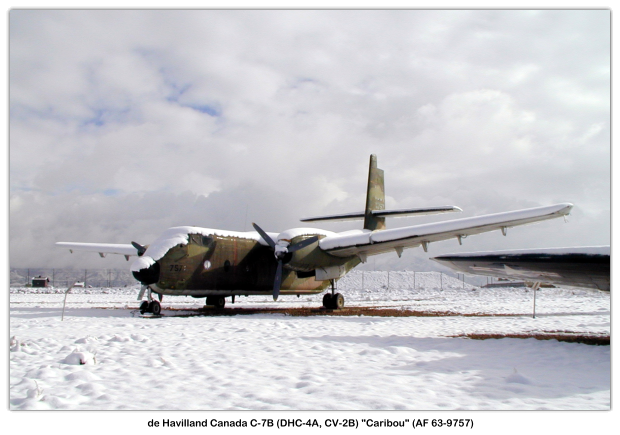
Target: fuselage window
x=200 y=240
x=178 y=252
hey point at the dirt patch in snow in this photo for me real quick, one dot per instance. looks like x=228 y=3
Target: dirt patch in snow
x=381 y=311
x=571 y=337
x=387 y=311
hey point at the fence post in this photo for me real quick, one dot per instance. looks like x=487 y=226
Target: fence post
x=441 y=279
x=388 y=284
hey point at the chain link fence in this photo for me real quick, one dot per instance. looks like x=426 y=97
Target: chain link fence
x=400 y=280
x=358 y=279
x=65 y=277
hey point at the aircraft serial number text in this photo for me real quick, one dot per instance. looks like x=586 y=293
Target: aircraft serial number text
x=416 y=423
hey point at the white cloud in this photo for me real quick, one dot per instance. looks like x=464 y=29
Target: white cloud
x=202 y=115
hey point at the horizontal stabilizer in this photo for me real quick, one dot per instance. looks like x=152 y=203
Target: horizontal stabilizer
x=385 y=213
x=416 y=211
x=335 y=217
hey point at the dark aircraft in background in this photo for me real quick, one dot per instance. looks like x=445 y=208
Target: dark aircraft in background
x=579 y=267
x=212 y=263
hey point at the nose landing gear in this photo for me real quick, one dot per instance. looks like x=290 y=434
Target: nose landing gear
x=150 y=305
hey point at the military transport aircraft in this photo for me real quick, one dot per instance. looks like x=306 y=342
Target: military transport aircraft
x=216 y=264
x=586 y=266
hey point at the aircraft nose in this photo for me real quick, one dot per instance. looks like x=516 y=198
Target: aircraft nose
x=145 y=270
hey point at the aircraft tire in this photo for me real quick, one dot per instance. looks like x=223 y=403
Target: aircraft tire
x=338 y=301
x=219 y=302
x=155 y=307
x=327 y=300
x=144 y=307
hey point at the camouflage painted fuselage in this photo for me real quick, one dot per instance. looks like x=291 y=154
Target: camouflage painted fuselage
x=211 y=264
x=207 y=262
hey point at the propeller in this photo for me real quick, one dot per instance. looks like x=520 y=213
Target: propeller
x=141 y=249
x=280 y=249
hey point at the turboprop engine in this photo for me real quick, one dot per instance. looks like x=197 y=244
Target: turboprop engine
x=294 y=249
x=145 y=270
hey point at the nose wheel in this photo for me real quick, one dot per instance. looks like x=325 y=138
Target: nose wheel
x=151 y=305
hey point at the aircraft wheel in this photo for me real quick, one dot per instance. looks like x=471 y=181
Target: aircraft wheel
x=327 y=300
x=338 y=301
x=155 y=307
x=219 y=302
x=144 y=307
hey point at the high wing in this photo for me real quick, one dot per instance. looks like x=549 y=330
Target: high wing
x=581 y=267
x=102 y=248
x=364 y=242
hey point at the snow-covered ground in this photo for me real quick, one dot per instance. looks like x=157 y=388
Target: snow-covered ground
x=103 y=356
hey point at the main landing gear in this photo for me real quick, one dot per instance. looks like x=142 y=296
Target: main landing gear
x=216 y=301
x=333 y=301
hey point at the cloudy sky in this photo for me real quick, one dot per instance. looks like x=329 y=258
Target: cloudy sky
x=124 y=123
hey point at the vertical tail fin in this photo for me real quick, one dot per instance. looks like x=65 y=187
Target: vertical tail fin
x=375 y=197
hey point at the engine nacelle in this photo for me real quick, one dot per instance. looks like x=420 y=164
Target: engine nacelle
x=311 y=257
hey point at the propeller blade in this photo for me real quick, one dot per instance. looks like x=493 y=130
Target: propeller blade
x=265 y=236
x=278 y=281
x=302 y=244
x=141 y=249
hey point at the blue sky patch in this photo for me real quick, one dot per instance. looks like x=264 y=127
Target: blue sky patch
x=205 y=108
x=111 y=192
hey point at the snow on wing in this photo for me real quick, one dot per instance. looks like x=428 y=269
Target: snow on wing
x=377 y=242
